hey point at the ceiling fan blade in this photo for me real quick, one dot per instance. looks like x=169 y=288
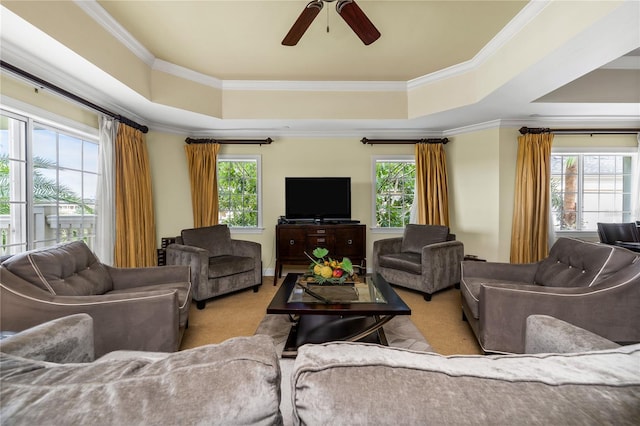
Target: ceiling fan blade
x=302 y=23
x=358 y=21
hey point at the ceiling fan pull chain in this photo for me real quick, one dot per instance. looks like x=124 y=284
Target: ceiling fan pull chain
x=327 y=20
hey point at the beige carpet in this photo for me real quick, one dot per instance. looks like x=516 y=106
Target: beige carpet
x=239 y=314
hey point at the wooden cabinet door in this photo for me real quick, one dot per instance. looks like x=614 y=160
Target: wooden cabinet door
x=349 y=242
x=292 y=242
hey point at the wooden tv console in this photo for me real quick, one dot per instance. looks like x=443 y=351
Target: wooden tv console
x=342 y=240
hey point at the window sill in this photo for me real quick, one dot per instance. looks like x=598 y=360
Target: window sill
x=387 y=230
x=241 y=230
x=583 y=235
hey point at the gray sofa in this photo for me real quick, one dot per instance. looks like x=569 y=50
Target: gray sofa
x=219 y=264
x=133 y=308
x=347 y=384
x=594 y=286
x=426 y=258
x=49 y=376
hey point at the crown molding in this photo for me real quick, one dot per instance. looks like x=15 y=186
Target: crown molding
x=187 y=74
x=113 y=27
x=513 y=27
x=102 y=17
x=316 y=86
x=317 y=133
x=478 y=127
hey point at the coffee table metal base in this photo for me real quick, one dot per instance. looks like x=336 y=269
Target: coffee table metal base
x=328 y=328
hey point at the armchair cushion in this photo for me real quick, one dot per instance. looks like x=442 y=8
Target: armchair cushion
x=223 y=266
x=215 y=239
x=65 y=270
x=405 y=261
x=579 y=265
x=417 y=236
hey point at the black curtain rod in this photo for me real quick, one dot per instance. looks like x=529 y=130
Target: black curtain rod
x=403 y=141
x=266 y=141
x=67 y=94
x=538 y=130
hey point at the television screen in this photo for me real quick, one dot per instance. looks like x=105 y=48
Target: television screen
x=318 y=198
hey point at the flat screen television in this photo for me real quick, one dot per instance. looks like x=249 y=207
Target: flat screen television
x=318 y=198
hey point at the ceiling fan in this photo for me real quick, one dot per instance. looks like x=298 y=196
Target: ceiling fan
x=347 y=9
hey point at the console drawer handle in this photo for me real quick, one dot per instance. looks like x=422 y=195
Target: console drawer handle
x=349 y=242
x=321 y=231
x=292 y=242
x=320 y=240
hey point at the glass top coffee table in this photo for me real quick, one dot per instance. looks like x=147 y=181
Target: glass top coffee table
x=324 y=313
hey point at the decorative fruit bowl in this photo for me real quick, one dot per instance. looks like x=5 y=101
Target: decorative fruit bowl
x=325 y=270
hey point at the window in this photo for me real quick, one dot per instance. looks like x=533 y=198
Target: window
x=13 y=195
x=395 y=181
x=587 y=188
x=239 y=196
x=48 y=183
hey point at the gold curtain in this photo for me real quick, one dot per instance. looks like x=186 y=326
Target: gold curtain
x=529 y=232
x=431 y=182
x=201 y=160
x=135 y=223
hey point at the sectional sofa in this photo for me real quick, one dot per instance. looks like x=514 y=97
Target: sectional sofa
x=49 y=376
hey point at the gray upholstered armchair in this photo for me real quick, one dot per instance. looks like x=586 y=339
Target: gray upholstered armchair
x=426 y=258
x=132 y=308
x=219 y=264
x=594 y=286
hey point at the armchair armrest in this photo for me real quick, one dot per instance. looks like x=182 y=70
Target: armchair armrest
x=246 y=248
x=385 y=246
x=145 y=320
x=546 y=334
x=441 y=261
x=504 y=309
x=124 y=278
x=197 y=259
x=63 y=340
x=249 y=249
x=516 y=272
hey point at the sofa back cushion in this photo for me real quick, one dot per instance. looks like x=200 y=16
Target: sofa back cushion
x=67 y=269
x=417 y=236
x=216 y=239
x=241 y=377
x=355 y=381
x=577 y=263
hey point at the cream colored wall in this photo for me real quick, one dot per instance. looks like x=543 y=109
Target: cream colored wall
x=284 y=157
x=45 y=100
x=481 y=167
